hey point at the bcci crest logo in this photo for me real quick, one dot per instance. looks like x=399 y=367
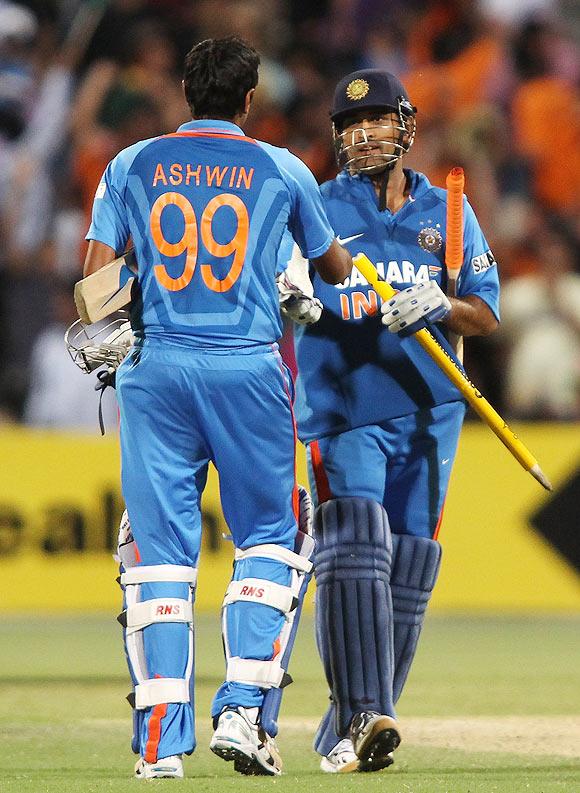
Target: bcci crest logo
x=357 y=89
x=430 y=240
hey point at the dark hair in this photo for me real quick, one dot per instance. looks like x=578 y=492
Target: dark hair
x=218 y=74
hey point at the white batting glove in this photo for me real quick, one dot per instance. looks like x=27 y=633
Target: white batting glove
x=296 y=293
x=295 y=303
x=302 y=309
x=408 y=311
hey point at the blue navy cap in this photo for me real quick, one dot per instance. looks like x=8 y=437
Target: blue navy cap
x=369 y=88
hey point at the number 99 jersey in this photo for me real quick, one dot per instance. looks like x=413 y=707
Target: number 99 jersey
x=206 y=208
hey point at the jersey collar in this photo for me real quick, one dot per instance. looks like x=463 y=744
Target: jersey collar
x=362 y=185
x=419 y=183
x=211 y=125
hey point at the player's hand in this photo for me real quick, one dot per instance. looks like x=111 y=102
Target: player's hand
x=409 y=310
x=119 y=341
x=295 y=303
x=302 y=309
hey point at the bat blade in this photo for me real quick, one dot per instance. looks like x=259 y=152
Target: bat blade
x=107 y=290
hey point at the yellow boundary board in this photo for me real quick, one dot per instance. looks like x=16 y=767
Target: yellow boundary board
x=59 y=492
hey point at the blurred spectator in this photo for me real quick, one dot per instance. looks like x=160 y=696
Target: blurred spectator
x=385 y=49
x=454 y=59
x=119 y=103
x=509 y=12
x=111 y=39
x=546 y=120
x=18 y=30
x=541 y=323
x=30 y=152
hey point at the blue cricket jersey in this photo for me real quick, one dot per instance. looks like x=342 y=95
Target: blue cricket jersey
x=206 y=208
x=352 y=371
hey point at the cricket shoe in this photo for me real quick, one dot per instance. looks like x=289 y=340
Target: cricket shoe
x=341 y=759
x=240 y=738
x=374 y=738
x=165 y=768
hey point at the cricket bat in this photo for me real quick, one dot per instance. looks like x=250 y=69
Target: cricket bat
x=448 y=366
x=107 y=290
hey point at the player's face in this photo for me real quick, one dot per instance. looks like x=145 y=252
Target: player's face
x=372 y=140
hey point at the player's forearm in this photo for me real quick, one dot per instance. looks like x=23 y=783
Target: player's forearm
x=470 y=316
x=334 y=265
x=98 y=254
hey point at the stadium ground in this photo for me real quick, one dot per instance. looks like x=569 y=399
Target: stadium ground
x=492 y=706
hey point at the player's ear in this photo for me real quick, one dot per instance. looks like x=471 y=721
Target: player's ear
x=248 y=100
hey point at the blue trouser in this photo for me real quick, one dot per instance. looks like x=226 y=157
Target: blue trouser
x=181 y=408
x=404 y=464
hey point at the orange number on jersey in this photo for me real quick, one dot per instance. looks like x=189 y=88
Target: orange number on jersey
x=189 y=241
x=237 y=245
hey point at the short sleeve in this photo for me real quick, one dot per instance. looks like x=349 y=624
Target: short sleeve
x=308 y=222
x=479 y=273
x=109 y=223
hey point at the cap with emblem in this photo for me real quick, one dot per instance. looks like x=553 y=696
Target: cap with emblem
x=366 y=89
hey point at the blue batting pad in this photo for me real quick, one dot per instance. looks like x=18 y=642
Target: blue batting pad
x=352 y=565
x=415 y=567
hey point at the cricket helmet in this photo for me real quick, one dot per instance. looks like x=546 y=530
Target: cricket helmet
x=376 y=91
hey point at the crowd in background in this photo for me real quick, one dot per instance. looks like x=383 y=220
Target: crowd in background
x=497 y=87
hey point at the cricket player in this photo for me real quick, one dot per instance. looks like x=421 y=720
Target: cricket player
x=206 y=208
x=380 y=420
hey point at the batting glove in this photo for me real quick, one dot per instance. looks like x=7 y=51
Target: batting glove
x=295 y=304
x=302 y=309
x=409 y=310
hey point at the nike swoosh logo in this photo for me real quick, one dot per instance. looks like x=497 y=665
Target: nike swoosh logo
x=348 y=239
x=445 y=461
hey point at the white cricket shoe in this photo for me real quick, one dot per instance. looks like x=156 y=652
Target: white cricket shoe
x=341 y=759
x=240 y=738
x=374 y=738
x=165 y=768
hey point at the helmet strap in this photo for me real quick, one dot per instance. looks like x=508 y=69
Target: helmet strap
x=383 y=188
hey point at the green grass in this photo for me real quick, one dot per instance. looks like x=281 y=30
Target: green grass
x=64 y=724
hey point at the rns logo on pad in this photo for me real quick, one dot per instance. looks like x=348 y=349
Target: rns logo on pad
x=483 y=262
x=169 y=608
x=252 y=591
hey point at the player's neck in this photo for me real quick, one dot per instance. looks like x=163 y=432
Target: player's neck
x=238 y=120
x=397 y=188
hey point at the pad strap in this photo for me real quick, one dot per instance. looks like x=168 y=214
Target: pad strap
x=158 y=573
x=278 y=553
x=259 y=590
x=161 y=690
x=265 y=674
x=147 y=612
